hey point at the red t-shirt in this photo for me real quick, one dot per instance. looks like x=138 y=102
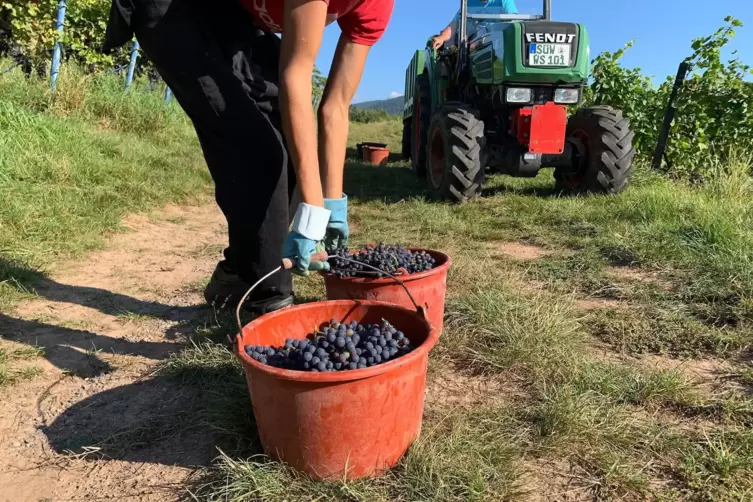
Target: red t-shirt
x=362 y=21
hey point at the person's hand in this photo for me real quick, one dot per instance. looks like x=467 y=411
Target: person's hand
x=299 y=249
x=337 y=229
x=437 y=42
x=306 y=238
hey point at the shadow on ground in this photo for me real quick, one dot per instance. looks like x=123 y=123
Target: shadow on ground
x=540 y=192
x=110 y=303
x=75 y=350
x=389 y=184
x=501 y=186
x=180 y=418
x=352 y=155
x=397 y=182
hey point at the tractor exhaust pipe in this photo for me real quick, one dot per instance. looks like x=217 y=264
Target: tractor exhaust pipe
x=462 y=34
x=548 y=10
x=462 y=29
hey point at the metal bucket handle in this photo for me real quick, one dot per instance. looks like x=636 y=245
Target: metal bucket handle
x=322 y=256
x=419 y=309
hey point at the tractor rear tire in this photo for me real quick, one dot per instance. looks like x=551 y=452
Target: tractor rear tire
x=420 y=122
x=605 y=140
x=455 y=152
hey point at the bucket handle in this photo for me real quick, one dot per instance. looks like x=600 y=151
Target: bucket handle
x=419 y=309
x=287 y=264
x=245 y=296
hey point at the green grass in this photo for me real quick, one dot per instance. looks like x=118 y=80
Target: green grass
x=378 y=132
x=72 y=167
x=461 y=457
x=576 y=405
x=98 y=100
x=10 y=374
x=719 y=466
x=666 y=331
x=567 y=417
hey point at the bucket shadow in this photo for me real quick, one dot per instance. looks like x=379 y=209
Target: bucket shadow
x=179 y=419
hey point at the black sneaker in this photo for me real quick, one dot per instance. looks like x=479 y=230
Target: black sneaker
x=225 y=290
x=266 y=306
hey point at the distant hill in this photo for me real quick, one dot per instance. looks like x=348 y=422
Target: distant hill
x=393 y=106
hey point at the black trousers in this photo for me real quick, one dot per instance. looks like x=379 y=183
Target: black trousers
x=223 y=70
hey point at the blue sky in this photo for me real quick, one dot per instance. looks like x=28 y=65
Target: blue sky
x=662 y=30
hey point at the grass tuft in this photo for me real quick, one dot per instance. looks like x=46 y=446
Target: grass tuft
x=9 y=373
x=462 y=456
x=719 y=466
x=500 y=330
x=669 y=332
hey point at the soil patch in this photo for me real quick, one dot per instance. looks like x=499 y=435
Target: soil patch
x=629 y=274
x=596 y=304
x=95 y=424
x=520 y=251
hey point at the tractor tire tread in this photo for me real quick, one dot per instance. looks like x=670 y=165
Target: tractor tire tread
x=464 y=142
x=610 y=162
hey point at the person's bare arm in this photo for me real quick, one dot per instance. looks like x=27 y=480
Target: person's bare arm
x=303 y=29
x=342 y=83
x=444 y=35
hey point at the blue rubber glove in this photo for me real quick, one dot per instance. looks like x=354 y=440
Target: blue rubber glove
x=337 y=229
x=299 y=249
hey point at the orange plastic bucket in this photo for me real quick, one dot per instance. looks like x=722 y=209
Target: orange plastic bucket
x=428 y=288
x=359 y=147
x=374 y=155
x=350 y=424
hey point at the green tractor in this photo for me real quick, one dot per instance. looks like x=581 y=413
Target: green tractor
x=497 y=100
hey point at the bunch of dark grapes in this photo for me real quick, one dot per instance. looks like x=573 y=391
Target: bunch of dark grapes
x=390 y=259
x=336 y=347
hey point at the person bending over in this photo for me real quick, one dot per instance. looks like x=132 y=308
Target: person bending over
x=248 y=93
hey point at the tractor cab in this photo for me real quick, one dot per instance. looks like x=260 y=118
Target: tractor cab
x=483 y=16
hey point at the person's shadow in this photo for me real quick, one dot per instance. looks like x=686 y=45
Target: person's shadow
x=75 y=351
x=180 y=416
x=177 y=417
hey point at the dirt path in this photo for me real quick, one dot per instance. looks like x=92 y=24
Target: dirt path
x=104 y=323
x=97 y=424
